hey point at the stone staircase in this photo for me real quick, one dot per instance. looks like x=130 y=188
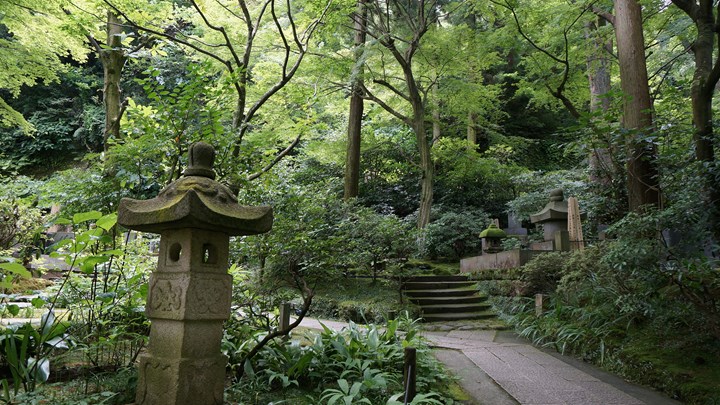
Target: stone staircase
x=447 y=298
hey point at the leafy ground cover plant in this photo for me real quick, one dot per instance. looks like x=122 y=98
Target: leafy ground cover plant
x=356 y=365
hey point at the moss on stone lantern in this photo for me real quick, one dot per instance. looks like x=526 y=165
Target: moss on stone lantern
x=492 y=238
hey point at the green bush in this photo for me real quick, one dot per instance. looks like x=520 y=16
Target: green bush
x=455 y=234
x=67 y=120
x=21 y=228
x=542 y=274
x=319 y=237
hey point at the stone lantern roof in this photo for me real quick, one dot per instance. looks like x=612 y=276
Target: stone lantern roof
x=493 y=231
x=556 y=209
x=195 y=201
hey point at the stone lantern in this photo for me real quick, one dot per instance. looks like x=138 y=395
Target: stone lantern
x=554 y=217
x=492 y=238
x=189 y=295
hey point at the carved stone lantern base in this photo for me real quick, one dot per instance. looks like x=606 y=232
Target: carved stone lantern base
x=181 y=381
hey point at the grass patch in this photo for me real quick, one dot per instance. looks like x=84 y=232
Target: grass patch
x=456 y=392
x=677 y=360
x=417 y=267
x=360 y=300
x=686 y=370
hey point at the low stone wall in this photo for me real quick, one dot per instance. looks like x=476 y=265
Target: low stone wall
x=503 y=260
x=547 y=245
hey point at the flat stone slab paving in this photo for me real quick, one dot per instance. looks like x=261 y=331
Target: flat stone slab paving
x=536 y=377
x=497 y=367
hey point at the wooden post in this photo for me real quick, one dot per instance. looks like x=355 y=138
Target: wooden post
x=409 y=374
x=575 y=225
x=539 y=304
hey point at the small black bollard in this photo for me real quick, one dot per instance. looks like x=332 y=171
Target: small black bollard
x=409 y=374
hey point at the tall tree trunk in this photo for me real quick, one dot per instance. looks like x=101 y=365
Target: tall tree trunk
x=642 y=176
x=472 y=129
x=598 y=66
x=352 y=159
x=436 y=130
x=427 y=169
x=705 y=78
x=702 y=91
x=435 y=113
x=113 y=60
x=379 y=29
x=598 y=71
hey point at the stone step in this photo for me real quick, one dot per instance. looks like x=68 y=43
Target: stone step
x=442 y=292
x=431 y=285
x=456 y=308
x=469 y=299
x=435 y=278
x=454 y=316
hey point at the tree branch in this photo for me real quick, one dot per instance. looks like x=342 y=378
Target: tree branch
x=392 y=88
x=367 y=95
x=688 y=6
x=308 y=295
x=522 y=33
x=287 y=75
x=220 y=29
x=169 y=37
x=277 y=159
x=609 y=17
x=559 y=90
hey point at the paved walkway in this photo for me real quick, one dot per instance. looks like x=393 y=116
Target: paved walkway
x=498 y=368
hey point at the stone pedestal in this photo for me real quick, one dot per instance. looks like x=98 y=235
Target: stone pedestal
x=562 y=241
x=190 y=293
x=550 y=227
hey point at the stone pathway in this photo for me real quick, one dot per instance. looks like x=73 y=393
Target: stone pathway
x=497 y=368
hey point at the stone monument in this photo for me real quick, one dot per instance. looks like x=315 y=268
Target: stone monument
x=189 y=294
x=554 y=217
x=515 y=226
x=575 y=232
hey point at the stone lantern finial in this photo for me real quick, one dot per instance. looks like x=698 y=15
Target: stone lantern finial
x=557 y=195
x=200 y=160
x=189 y=294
